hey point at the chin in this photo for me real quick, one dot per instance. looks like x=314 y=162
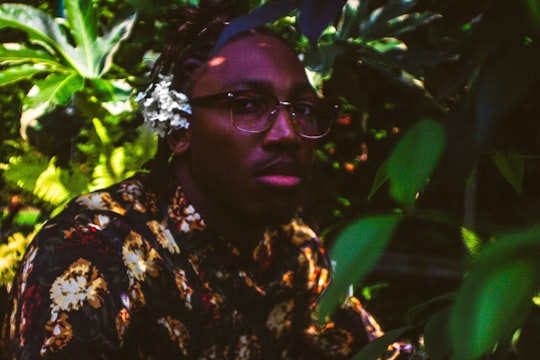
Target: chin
x=277 y=215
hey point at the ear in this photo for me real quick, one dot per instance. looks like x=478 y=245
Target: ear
x=179 y=141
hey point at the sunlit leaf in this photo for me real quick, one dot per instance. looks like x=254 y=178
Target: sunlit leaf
x=18 y=53
x=414 y=159
x=365 y=236
x=82 y=21
x=11 y=253
x=49 y=186
x=471 y=240
x=117 y=161
x=111 y=90
x=496 y=295
x=512 y=168
x=110 y=42
x=14 y=74
x=39 y=26
x=101 y=131
x=55 y=89
x=103 y=175
x=22 y=171
x=91 y=56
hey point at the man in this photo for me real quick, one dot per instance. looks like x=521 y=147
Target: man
x=215 y=265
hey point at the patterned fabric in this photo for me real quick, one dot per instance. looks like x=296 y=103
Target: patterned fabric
x=121 y=274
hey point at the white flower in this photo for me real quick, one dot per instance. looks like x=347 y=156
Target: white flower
x=164 y=109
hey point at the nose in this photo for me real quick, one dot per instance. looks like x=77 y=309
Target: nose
x=282 y=132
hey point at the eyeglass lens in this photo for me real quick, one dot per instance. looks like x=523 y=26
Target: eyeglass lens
x=256 y=112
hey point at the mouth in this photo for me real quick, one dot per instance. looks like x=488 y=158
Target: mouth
x=281 y=174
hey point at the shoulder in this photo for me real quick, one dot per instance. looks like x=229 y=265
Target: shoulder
x=121 y=198
x=91 y=230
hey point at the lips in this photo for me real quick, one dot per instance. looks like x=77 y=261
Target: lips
x=280 y=173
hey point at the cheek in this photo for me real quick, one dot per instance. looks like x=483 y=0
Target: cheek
x=216 y=144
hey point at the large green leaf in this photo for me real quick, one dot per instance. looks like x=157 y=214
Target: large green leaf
x=258 y=17
x=496 y=295
x=315 y=16
x=355 y=252
x=18 y=53
x=93 y=54
x=414 y=159
x=55 y=89
x=39 y=26
x=17 y=73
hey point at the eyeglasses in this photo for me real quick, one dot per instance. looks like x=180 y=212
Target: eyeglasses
x=256 y=112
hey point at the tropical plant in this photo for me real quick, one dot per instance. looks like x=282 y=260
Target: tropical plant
x=68 y=61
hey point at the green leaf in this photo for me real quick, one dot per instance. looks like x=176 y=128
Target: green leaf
x=55 y=89
x=315 y=16
x=110 y=42
x=393 y=20
x=14 y=74
x=380 y=178
x=496 y=295
x=22 y=171
x=436 y=335
x=117 y=160
x=111 y=90
x=40 y=27
x=11 y=254
x=355 y=251
x=93 y=53
x=511 y=167
x=18 y=53
x=103 y=175
x=82 y=20
x=258 y=17
x=514 y=68
x=377 y=347
x=102 y=134
x=49 y=186
x=414 y=159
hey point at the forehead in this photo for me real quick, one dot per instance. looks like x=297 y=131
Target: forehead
x=253 y=59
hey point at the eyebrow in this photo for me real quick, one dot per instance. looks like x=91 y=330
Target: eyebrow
x=297 y=89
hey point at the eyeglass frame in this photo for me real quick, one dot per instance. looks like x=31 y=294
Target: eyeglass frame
x=206 y=100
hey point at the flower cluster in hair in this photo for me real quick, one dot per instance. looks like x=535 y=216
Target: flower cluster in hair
x=164 y=109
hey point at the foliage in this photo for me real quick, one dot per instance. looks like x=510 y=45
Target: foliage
x=11 y=254
x=435 y=154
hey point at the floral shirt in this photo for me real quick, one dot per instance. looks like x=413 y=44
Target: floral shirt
x=122 y=274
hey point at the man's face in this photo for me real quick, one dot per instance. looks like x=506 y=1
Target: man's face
x=260 y=177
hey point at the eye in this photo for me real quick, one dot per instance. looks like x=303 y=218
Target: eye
x=247 y=103
x=305 y=109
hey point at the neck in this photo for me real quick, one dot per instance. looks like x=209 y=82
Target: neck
x=241 y=231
